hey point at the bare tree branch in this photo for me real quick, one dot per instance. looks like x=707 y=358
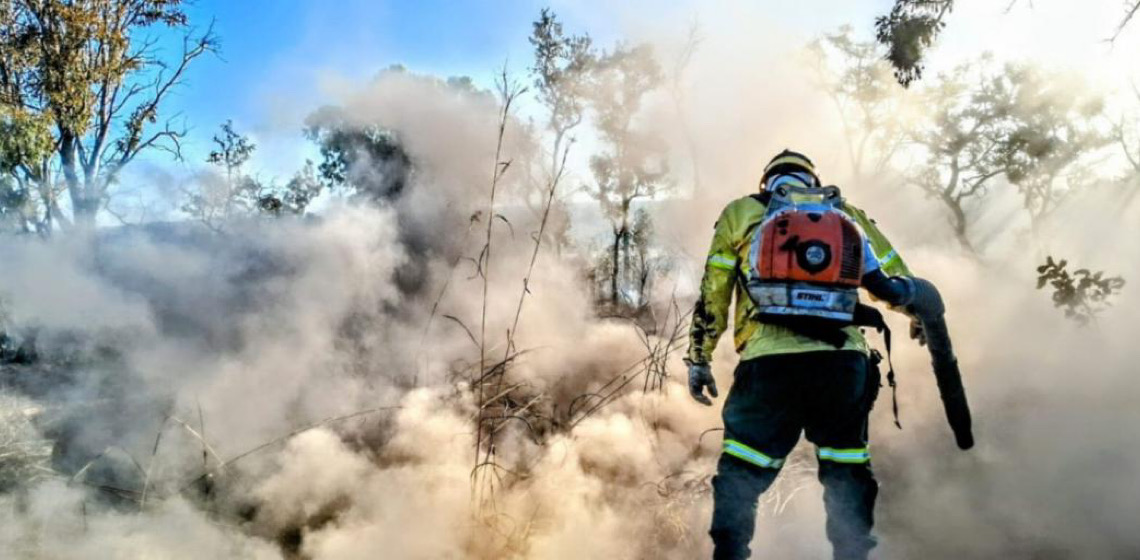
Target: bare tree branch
x=1129 y=14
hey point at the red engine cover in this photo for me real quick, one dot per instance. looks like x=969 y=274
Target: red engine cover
x=820 y=247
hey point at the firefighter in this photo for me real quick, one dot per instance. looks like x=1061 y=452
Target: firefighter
x=789 y=379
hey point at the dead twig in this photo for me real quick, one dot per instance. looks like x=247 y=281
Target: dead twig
x=283 y=438
x=202 y=429
x=504 y=417
x=87 y=466
x=612 y=390
x=701 y=438
x=206 y=448
x=1129 y=15
x=150 y=463
x=463 y=326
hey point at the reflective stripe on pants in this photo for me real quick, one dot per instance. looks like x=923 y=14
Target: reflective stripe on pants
x=747 y=454
x=853 y=456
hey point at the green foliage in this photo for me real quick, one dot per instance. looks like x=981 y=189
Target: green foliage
x=234 y=193
x=1016 y=122
x=1052 y=125
x=908 y=31
x=562 y=66
x=25 y=138
x=233 y=149
x=561 y=72
x=25 y=146
x=17 y=207
x=364 y=156
x=368 y=159
x=1082 y=294
x=299 y=192
x=81 y=88
x=912 y=26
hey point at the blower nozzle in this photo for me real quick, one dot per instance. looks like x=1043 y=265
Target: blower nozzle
x=927 y=306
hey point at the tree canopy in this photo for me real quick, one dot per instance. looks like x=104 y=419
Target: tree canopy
x=82 y=85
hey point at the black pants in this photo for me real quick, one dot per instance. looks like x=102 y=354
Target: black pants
x=828 y=396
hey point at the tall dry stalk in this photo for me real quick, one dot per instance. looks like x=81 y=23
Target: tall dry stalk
x=497 y=411
x=552 y=189
x=508 y=91
x=560 y=170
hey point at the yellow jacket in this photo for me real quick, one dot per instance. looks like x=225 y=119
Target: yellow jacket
x=725 y=271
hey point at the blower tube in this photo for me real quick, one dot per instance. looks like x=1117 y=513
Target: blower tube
x=922 y=300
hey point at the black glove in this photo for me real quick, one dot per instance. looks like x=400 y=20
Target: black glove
x=917 y=332
x=700 y=376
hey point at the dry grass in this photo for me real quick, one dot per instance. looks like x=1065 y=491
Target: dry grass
x=25 y=456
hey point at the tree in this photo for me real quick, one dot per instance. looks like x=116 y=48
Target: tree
x=562 y=67
x=1054 y=126
x=368 y=159
x=233 y=193
x=1045 y=145
x=907 y=31
x=233 y=151
x=299 y=193
x=961 y=141
x=1017 y=123
x=25 y=203
x=867 y=98
x=88 y=75
x=1126 y=134
x=17 y=208
x=218 y=198
x=639 y=263
x=361 y=149
x=632 y=163
x=912 y=26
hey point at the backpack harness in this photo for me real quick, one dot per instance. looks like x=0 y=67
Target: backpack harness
x=806 y=266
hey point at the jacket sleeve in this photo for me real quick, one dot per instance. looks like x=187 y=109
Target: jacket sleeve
x=710 y=315
x=889 y=259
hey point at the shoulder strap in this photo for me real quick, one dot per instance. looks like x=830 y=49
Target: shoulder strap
x=868 y=316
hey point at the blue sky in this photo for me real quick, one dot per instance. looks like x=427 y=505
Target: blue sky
x=278 y=55
x=273 y=52
x=268 y=44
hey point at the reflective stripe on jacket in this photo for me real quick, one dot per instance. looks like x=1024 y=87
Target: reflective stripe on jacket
x=725 y=269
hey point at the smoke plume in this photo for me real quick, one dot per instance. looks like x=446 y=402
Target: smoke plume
x=283 y=390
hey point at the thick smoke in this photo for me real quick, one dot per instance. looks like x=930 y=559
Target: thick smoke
x=220 y=344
